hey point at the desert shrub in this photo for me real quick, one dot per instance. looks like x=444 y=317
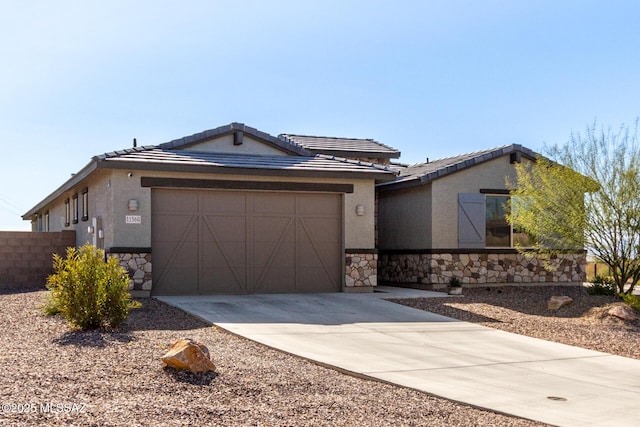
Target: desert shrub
x=50 y=307
x=631 y=300
x=602 y=285
x=89 y=291
x=454 y=282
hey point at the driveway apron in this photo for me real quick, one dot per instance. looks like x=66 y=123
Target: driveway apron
x=368 y=336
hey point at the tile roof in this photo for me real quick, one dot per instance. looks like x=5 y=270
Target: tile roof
x=423 y=173
x=342 y=146
x=284 y=145
x=158 y=158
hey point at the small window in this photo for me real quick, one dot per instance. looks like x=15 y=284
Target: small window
x=499 y=232
x=67 y=213
x=46 y=221
x=75 y=208
x=498 y=228
x=85 y=204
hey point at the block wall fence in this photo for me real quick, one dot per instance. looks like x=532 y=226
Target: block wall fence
x=26 y=256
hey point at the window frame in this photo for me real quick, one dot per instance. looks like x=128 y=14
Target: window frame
x=85 y=204
x=74 y=200
x=503 y=194
x=67 y=212
x=498 y=195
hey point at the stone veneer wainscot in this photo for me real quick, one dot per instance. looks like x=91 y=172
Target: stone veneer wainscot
x=139 y=268
x=361 y=270
x=479 y=268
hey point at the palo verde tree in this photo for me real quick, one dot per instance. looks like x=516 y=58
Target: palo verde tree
x=585 y=194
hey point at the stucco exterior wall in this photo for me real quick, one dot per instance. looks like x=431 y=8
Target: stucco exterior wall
x=490 y=175
x=359 y=230
x=99 y=198
x=404 y=218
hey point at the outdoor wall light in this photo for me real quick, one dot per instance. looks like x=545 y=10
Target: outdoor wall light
x=90 y=229
x=133 y=205
x=360 y=210
x=101 y=234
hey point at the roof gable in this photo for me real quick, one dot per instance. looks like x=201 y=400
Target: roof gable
x=423 y=173
x=346 y=147
x=235 y=138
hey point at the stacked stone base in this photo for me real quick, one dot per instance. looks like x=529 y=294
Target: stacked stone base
x=479 y=268
x=139 y=268
x=361 y=271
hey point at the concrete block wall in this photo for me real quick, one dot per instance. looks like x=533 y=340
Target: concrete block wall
x=26 y=257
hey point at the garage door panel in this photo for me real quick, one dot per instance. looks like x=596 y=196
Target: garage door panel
x=229 y=203
x=222 y=280
x=271 y=229
x=273 y=203
x=311 y=205
x=246 y=242
x=175 y=228
x=175 y=201
x=231 y=253
x=177 y=281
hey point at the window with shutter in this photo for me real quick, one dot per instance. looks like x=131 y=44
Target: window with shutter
x=471 y=221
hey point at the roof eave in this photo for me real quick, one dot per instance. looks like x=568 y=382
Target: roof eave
x=378 y=175
x=457 y=167
x=69 y=184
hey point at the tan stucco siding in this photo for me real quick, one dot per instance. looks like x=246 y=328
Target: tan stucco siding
x=359 y=230
x=405 y=218
x=490 y=175
x=99 y=203
x=224 y=144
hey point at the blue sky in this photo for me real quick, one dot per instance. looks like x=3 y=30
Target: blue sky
x=430 y=78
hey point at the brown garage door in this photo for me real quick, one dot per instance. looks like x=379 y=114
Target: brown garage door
x=208 y=242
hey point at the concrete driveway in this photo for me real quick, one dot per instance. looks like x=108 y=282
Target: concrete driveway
x=368 y=336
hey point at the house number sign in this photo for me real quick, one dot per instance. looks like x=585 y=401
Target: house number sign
x=133 y=219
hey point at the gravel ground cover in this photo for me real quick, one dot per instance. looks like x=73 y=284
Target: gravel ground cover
x=523 y=310
x=52 y=375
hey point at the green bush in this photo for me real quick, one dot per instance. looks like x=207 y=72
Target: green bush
x=89 y=291
x=632 y=301
x=602 y=285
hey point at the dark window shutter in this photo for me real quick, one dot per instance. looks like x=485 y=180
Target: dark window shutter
x=471 y=221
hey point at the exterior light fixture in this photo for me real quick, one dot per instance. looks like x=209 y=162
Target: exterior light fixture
x=133 y=205
x=360 y=210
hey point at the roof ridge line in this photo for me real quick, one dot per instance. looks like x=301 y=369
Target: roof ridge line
x=470 y=153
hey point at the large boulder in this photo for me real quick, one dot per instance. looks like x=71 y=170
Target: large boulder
x=623 y=312
x=556 y=302
x=190 y=355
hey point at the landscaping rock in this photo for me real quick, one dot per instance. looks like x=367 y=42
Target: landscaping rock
x=623 y=312
x=190 y=355
x=556 y=302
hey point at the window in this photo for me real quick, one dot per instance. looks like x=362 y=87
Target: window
x=499 y=233
x=46 y=221
x=67 y=213
x=75 y=208
x=85 y=204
